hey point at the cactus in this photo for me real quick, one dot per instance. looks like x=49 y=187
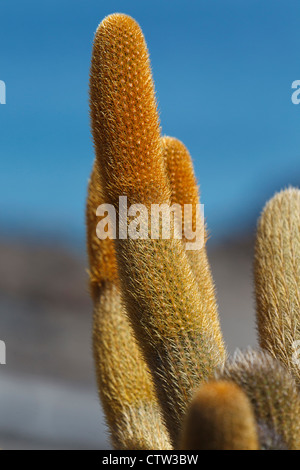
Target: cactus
x=277 y=278
x=164 y=305
x=125 y=385
x=220 y=417
x=184 y=190
x=163 y=374
x=273 y=394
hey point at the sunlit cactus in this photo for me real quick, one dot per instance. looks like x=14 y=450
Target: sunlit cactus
x=163 y=374
x=160 y=292
x=277 y=279
x=184 y=191
x=125 y=385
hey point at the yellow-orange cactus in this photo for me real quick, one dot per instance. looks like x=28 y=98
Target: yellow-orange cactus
x=124 y=114
x=277 y=278
x=164 y=304
x=184 y=191
x=157 y=340
x=124 y=383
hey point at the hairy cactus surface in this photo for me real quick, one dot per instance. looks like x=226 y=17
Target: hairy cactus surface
x=277 y=279
x=163 y=374
x=220 y=417
x=125 y=385
x=274 y=396
x=184 y=190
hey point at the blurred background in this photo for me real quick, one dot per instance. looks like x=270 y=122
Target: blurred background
x=223 y=73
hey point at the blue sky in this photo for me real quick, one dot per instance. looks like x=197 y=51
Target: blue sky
x=223 y=73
